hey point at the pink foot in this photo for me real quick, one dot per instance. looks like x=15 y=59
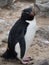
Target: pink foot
x=26 y=60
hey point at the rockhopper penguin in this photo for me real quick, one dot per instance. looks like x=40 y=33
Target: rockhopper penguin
x=21 y=35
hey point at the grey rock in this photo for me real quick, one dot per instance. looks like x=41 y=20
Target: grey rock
x=1 y=29
x=41 y=62
x=26 y=0
x=5 y=2
x=3 y=24
x=42 y=1
x=43 y=32
x=5 y=40
x=43 y=6
x=2 y=21
x=45 y=63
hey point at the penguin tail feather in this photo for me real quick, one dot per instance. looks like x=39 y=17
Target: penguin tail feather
x=9 y=55
x=6 y=55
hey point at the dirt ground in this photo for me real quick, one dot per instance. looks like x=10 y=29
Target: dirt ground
x=39 y=50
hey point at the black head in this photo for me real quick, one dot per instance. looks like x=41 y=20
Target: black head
x=28 y=14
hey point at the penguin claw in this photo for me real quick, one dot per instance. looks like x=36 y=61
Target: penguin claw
x=27 y=59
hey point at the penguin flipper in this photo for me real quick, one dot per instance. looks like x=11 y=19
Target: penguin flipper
x=22 y=46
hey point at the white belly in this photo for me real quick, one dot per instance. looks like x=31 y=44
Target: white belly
x=31 y=30
x=17 y=50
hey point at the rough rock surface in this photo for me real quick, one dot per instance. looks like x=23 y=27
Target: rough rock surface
x=5 y=2
x=43 y=6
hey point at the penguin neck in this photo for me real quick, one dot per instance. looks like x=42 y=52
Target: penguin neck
x=24 y=21
x=31 y=21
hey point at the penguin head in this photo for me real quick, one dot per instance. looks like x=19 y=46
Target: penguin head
x=28 y=14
